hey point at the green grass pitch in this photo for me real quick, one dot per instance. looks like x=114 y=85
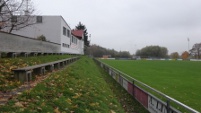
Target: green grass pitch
x=178 y=79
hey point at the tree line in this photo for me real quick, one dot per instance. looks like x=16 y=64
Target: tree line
x=98 y=51
x=193 y=53
x=146 y=52
x=152 y=52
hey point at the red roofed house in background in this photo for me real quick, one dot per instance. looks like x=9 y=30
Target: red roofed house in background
x=78 y=33
x=77 y=40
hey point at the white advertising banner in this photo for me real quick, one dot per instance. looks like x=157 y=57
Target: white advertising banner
x=155 y=105
x=125 y=84
x=114 y=75
x=110 y=71
x=101 y=65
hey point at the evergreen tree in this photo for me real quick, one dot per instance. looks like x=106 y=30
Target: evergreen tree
x=80 y=26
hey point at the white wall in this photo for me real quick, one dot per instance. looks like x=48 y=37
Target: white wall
x=81 y=46
x=65 y=39
x=77 y=48
x=17 y=43
x=50 y=28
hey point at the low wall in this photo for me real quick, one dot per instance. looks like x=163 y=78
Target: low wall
x=16 y=43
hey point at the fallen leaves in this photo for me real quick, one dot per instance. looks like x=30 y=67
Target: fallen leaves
x=69 y=101
x=74 y=92
x=111 y=111
x=18 y=104
x=94 y=104
x=39 y=109
x=56 y=110
x=75 y=106
x=71 y=89
x=87 y=110
x=13 y=67
x=8 y=64
x=77 y=95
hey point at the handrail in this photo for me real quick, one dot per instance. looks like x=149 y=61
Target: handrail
x=162 y=94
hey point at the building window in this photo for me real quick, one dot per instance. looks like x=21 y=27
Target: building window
x=74 y=40
x=68 y=33
x=39 y=19
x=64 y=31
x=71 y=40
x=65 y=45
x=14 y=19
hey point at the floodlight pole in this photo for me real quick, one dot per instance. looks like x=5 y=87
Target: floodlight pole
x=188 y=43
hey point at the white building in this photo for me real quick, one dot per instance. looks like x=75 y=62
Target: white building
x=77 y=40
x=56 y=30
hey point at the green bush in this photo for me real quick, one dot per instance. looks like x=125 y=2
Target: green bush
x=42 y=38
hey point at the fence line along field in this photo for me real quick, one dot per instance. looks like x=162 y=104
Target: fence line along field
x=178 y=79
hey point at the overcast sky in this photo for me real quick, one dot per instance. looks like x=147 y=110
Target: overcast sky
x=128 y=25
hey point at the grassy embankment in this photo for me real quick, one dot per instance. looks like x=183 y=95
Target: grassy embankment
x=81 y=87
x=178 y=79
x=7 y=81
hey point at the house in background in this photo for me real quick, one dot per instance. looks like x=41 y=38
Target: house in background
x=77 y=40
x=56 y=30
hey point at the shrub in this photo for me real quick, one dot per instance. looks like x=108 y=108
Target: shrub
x=42 y=37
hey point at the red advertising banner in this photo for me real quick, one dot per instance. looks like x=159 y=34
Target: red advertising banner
x=141 y=96
x=130 y=88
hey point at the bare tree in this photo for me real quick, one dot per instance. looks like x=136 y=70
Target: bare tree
x=15 y=14
x=196 y=50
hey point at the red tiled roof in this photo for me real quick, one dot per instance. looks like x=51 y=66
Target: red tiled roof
x=78 y=33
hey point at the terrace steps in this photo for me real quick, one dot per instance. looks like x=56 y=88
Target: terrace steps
x=6 y=96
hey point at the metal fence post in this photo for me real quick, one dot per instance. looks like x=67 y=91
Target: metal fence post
x=168 y=106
